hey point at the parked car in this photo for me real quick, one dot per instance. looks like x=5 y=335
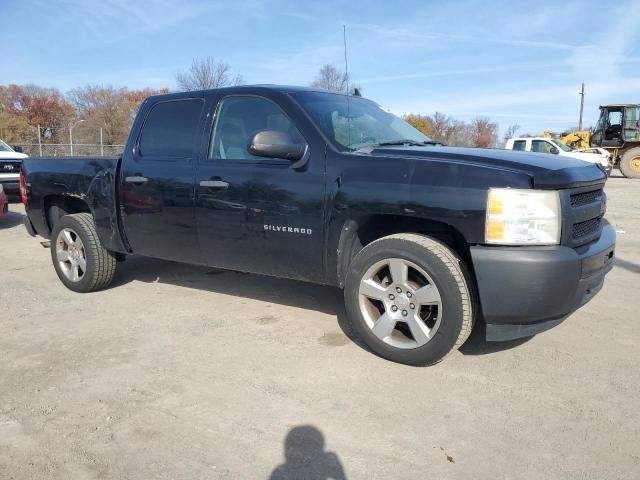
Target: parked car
x=332 y=189
x=551 y=145
x=10 y=162
x=4 y=203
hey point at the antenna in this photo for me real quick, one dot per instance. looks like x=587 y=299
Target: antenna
x=581 y=107
x=346 y=63
x=346 y=77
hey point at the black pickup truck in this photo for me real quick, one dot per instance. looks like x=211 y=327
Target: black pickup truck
x=327 y=188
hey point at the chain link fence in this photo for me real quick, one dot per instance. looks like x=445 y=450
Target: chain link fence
x=65 y=150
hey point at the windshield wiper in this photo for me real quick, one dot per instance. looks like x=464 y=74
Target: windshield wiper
x=403 y=141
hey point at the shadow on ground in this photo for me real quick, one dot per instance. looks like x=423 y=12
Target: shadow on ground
x=280 y=291
x=477 y=345
x=257 y=287
x=627 y=265
x=305 y=457
x=10 y=220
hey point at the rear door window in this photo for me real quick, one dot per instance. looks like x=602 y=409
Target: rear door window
x=170 y=130
x=520 y=145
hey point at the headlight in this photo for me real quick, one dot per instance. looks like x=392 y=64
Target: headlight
x=522 y=217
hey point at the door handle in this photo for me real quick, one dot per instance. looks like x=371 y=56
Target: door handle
x=137 y=179
x=219 y=184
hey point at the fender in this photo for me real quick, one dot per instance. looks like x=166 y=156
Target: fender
x=369 y=200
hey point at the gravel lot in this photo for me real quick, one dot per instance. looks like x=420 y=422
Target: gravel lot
x=187 y=372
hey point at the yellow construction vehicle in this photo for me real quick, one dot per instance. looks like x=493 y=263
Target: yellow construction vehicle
x=577 y=140
x=617 y=131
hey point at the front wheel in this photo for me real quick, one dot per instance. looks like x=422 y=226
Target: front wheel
x=630 y=163
x=410 y=299
x=80 y=260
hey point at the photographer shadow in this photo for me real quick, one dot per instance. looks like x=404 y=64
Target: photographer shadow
x=305 y=457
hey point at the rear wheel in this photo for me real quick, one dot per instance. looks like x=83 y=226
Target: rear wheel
x=80 y=260
x=410 y=299
x=630 y=163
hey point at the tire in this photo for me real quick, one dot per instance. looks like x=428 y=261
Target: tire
x=84 y=266
x=427 y=324
x=630 y=163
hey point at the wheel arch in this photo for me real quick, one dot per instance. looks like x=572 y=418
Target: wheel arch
x=56 y=206
x=358 y=232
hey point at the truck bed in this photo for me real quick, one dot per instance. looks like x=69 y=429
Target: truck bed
x=92 y=179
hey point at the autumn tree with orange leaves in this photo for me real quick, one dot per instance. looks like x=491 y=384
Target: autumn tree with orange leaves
x=32 y=106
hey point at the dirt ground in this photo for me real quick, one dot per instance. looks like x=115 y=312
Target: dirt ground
x=180 y=372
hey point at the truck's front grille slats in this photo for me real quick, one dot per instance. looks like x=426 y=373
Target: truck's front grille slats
x=584 y=209
x=580 y=199
x=586 y=228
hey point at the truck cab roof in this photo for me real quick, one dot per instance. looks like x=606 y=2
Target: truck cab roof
x=265 y=87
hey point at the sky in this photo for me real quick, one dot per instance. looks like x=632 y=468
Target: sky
x=515 y=62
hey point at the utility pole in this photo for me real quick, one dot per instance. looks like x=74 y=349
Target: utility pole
x=39 y=141
x=581 y=107
x=71 y=135
x=101 y=144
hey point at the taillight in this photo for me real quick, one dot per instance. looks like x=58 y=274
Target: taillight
x=23 y=188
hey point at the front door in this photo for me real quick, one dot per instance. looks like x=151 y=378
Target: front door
x=259 y=214
x=613 y=128
x=157 y=191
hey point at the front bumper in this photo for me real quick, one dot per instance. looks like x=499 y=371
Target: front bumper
x=10 y=186
x=527 y=290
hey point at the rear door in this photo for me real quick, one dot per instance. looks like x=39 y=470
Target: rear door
x=157 y=189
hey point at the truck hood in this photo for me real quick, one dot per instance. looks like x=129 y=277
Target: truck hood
x=546 y=170
x=12 y=156
x=589 y=157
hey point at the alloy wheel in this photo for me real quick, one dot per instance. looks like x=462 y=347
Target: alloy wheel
x=71 y=255
x=400 y=303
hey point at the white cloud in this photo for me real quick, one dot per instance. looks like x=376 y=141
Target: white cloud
x=439 y=72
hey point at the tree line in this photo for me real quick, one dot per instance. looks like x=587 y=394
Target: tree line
x=25 y=109
x=479 y=132
x=93 y=110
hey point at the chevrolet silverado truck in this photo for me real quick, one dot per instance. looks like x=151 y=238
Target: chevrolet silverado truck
x=321 y=187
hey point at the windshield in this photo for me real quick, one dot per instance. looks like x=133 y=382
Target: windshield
x=360 y=123
x=4 y=147
x=562 y=146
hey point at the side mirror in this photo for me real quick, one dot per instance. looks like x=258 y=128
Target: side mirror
x=18 y=149
x=276 y=144
x=554 y=150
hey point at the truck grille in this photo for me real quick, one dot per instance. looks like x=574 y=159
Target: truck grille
x=10 y=166
x=586 y=228
x=579 y=199
x=584 y=211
